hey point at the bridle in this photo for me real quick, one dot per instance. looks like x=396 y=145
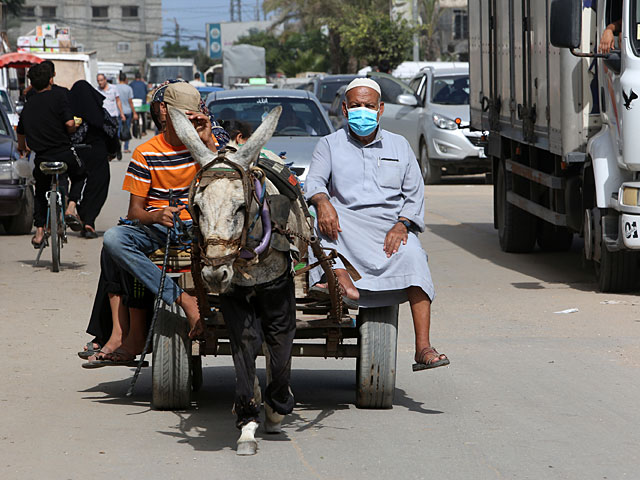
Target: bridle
x=253 y=188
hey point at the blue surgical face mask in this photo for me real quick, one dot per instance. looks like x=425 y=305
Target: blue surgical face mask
x=362 y=120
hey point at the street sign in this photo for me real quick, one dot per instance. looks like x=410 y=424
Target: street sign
x=214 y=40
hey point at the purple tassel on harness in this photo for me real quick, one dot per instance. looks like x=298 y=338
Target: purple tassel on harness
x=266 y=225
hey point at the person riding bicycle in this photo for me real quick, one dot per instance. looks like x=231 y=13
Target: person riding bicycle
x=44 y=127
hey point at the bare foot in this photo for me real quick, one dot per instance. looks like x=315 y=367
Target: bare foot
x=190 y=306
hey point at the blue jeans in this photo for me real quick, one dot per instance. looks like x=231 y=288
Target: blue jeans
x=126 y=124
x=129 y=246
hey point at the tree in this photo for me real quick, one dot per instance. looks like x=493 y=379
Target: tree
x=430 y=13
x=373 y=37
x=175 y=49
x=13 y=6
x=292 y=52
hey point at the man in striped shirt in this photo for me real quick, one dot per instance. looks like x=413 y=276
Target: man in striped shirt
x=157 y=166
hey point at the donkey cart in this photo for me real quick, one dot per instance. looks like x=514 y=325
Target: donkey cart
x=369 y=336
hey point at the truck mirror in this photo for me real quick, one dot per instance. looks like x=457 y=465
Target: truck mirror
x=613 y=61
x=565 y=25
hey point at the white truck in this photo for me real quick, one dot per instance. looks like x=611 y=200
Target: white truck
x=158 y=70
x=564 y=127
x=73 y=66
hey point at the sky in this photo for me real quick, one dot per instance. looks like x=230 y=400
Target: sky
x=192 y=15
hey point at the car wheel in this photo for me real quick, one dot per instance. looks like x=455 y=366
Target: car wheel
x=22 y=223
x=431 y=174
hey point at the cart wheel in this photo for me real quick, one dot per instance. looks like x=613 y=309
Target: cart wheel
x=171 y=370
x=196 y=372
x=376 y=365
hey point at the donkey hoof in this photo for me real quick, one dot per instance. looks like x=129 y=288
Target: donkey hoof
x=273 y=420
x=247 y=448
x=272 y=427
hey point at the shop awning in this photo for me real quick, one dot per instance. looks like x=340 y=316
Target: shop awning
x=19 y=60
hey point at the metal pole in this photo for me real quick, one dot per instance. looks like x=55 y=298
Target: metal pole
x=416 y=38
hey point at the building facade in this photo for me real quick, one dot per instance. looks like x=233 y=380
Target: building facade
x=118 y=30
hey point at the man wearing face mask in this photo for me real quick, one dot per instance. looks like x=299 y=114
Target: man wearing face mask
x=366 y=186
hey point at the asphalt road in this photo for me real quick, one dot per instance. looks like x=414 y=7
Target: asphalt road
x=529 y=394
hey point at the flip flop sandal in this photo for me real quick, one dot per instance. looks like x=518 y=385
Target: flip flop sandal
x=85 y=354
x=111 y=362
x=322 y=293
x=73 y=222
x=37 y=245
x=424 y=360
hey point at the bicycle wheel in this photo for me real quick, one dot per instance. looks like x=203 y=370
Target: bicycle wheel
x=54 y=225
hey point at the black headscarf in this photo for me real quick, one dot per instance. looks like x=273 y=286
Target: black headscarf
x=86 y=103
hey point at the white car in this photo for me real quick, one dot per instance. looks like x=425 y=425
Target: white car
x=432 y=113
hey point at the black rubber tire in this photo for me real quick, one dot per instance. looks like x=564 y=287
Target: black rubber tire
x=22 y=222
x=516 y=228
x=551 y=238
x=431 y=174
x=376 y=365
x=617 y=272
x=171 y=369
x=196 y=372
x=54 y=225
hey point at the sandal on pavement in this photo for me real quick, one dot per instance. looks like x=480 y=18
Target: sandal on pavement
x=114 y=359
x=89 y=232
x=429 y=358
x=90 y=351
x=73 y=222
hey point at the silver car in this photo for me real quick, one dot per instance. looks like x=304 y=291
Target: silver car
x=435 y=122
x=302 y=123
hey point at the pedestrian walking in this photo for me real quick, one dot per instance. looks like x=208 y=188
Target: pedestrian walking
x=140 y=92
x=112 y=103
x=97 y=131
x=126 y=98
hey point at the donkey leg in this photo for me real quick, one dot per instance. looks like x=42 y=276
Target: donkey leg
x=247 y=443
x=273 y=420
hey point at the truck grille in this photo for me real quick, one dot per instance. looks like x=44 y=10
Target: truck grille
x=478 y=141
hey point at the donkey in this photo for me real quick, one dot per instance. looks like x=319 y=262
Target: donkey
x=245 y=284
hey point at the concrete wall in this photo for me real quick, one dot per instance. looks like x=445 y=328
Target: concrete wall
x=115 y=39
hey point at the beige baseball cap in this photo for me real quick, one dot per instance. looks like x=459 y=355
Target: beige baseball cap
x=183 y=96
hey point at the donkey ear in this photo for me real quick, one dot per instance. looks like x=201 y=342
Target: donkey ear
x=188 y=135
x=250 y=150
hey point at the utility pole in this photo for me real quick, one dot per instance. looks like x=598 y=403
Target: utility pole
x=235 y=8
x=177 y=31
x=257 y=10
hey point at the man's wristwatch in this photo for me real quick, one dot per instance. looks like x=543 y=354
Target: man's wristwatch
x=406 y=223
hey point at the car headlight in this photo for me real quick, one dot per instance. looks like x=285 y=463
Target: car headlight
x=6 y=170
x=444 y=122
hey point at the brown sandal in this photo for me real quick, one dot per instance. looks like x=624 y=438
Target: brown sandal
x=429 y=358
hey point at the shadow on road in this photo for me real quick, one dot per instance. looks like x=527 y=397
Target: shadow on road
x=481 y=240
x=45 y=263
x=210 y=425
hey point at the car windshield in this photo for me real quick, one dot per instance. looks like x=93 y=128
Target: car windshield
x=300 y=116
x=452 y=90
x=328 y=89
x=6 y=102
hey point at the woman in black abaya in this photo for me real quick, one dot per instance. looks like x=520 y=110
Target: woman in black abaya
x=99 y=132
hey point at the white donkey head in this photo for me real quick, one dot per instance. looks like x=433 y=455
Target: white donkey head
x=221 y=203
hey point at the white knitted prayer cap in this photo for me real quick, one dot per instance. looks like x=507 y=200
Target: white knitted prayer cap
x=364 y=82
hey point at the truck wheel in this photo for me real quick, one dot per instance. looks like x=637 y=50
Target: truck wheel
x=552 y=238
x=431 y=174
x=616 y=271
x=171 y=369
x=516 y=228
x=22 y=222
x=376 y=364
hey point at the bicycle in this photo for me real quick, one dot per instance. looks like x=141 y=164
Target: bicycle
x=55 y=228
